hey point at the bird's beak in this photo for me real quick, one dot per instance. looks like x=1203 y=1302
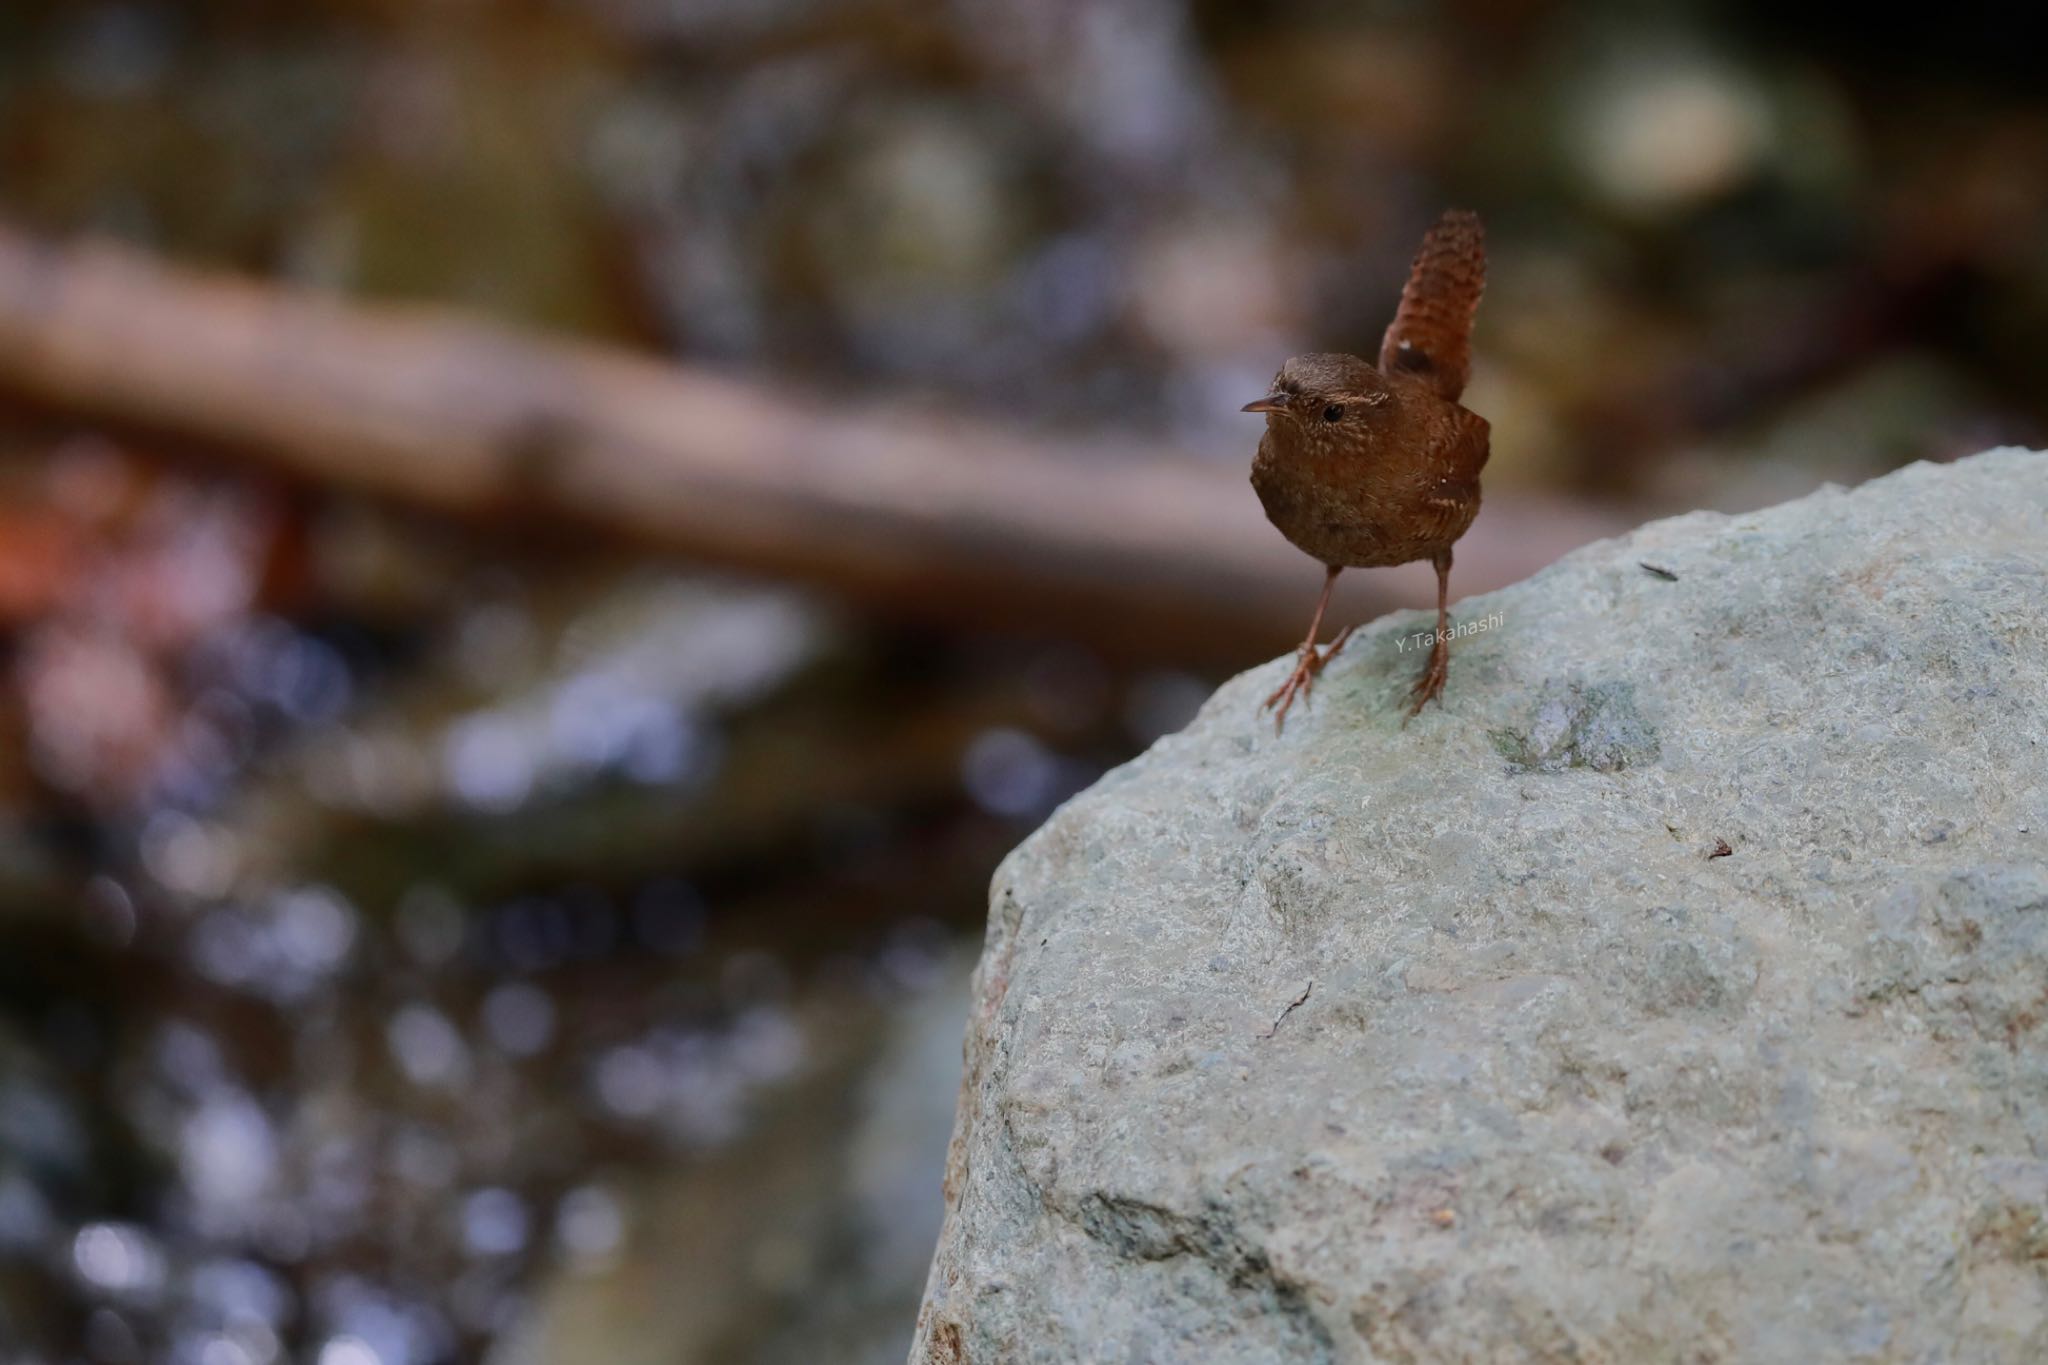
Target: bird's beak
x=1272 y=402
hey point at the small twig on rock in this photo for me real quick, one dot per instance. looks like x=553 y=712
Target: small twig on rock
x=1665 y=574
x=1292 y=1006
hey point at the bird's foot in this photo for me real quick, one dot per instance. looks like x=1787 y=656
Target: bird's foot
x=1429 y=687
x=1309 y=662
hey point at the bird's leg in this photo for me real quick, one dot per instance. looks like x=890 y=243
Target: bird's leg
x=1311 y=660
x=1431 y=683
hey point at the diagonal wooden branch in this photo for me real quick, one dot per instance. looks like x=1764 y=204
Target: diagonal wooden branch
x=1128 y=545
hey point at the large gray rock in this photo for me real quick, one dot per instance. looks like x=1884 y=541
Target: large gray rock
x=1452 y=1043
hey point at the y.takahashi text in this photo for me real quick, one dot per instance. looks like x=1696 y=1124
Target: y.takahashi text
x=1426 y=639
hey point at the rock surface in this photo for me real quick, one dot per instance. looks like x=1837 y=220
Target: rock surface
x=1452 y=1043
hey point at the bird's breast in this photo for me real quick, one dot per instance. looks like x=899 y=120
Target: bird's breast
x=1406 y=494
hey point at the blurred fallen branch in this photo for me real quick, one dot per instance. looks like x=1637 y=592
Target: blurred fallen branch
x=1123 y=544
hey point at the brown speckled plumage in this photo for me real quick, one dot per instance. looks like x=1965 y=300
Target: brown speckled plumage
x=1364 y=466
x=1396 y=478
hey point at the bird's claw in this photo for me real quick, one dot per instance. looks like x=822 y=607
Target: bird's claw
x=1299 y=683
x=1308 y=663
x=1429 y=687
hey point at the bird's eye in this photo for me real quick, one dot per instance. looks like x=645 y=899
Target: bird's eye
x=1334 y=413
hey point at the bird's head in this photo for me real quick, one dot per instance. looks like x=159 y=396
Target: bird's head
x=1325 y=398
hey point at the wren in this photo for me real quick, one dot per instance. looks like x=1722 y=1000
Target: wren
x=1365 y=466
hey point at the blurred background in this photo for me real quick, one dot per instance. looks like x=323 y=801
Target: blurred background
x=460 y=923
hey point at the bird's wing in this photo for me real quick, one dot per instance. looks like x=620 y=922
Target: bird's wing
x=1431 y=335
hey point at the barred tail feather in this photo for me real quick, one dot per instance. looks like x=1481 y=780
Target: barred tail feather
x=1431 y=334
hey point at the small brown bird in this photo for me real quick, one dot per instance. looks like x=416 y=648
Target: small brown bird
x=1363 y=467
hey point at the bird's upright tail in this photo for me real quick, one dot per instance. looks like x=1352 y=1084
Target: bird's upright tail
x=1431 y=335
